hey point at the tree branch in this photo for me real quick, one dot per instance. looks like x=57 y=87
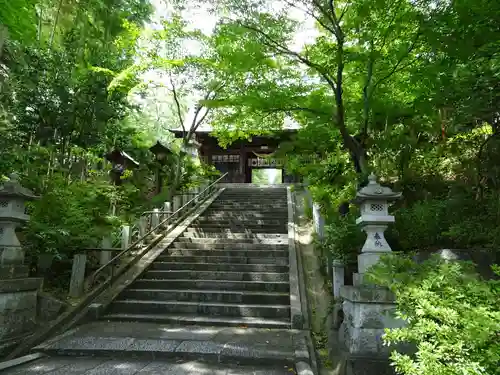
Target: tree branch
x=396 y=68
x=384 y=38
x=311 y=13
x=56 y=20
x=291 y=109
x=366 y=89
x=270 y=42
x=177 y=103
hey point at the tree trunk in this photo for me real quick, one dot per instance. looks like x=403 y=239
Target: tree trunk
x=3 y=38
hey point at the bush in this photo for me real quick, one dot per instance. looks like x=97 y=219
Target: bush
x=452 y=315
x=69 y=217
x=463 y=221
x=420 y=226
x=343 y=238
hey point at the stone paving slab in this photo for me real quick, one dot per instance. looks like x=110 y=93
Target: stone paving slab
x=150 y=340
x=107 y=366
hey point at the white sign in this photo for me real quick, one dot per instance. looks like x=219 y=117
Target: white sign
x=265 y=162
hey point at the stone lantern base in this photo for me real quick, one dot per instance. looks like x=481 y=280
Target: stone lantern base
x=18 y=310
x=367 y=311
x=14 y=271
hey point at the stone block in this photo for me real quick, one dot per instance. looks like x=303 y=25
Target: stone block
x=18 y=306
x=367 y=294
x=368 y=366
x=49 y=308
x=13 y=271
x=367 y=312
x=363 y=341
x=367 y=260
x=10 y=302
x=370 y=315
x=16 y=322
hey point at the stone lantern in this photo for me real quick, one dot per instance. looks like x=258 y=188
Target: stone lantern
x=12 y=214
x=374 y=201
x=18 y=292
x=369 y=309
x=161 y=153
x=121 y=161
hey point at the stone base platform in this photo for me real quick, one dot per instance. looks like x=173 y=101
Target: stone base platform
x=113 y=366
x=18 y=310
x=148 y=341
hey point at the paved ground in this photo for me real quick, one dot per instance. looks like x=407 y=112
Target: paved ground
x=151 y=340
x=319 y=298
x=106 y=366
x=126 y=348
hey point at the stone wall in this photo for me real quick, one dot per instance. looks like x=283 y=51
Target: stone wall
x=49 y=308
x=18 y=309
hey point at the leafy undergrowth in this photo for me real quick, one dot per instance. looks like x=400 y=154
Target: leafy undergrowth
x=452 y=315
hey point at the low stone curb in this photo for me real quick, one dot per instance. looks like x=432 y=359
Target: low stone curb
x=303 y=355
x=297 y=315
x=21 y=361
x=303 y=368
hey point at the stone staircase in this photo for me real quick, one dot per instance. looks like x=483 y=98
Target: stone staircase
x=215 y=296
x=229 y=268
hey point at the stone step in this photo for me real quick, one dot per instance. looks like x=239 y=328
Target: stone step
x=215 y=275
x=149 y=357
x=256 y=203
x=254 y=192
x=252 y=209
x=201 y=320
x=219 y=267
x=242 y=286
x=223 y=259
x=236 y=236
x=228 y=246
x=256 y=240
x=202 y=308
x=197 y=295
x=236 y=229
x=258 y=198
x=245 y=222
x=238 y=253
x=238 y=223
x=259 y=207
x=242 y=215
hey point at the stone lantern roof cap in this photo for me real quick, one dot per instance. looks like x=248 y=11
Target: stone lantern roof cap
x=375 y=190
x=13 y=188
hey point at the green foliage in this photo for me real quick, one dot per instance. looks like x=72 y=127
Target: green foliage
x=70 y=217
x=343 y=239
x=452 y=316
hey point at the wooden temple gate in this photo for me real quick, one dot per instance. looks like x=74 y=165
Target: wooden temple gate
x=242 y=156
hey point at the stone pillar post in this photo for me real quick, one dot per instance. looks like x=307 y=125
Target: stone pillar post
x=369 y=309
x=105 y=256
x=167 y=210
x=177 y=202
x=319 y=228
x=125 y=238
x=155 y=219
x=143 y=228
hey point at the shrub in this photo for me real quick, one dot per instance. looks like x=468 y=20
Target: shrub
x=420 y=226
x=452 y=315
x=343 y=238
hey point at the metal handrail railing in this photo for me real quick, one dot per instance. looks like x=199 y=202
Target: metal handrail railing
x=113 y=262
